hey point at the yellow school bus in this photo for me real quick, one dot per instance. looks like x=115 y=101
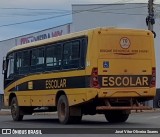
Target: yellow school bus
x=108 y=71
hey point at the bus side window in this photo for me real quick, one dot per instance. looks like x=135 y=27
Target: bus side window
x=22 y=62
x=83 y=52
x=18 y=65
x=25 y=62
x=67 y=55
x=75 y=54
x=49 y=57
x=53 y=57
x=10 y=67
x=71 y=55
x=34 y=60
x=37 y=60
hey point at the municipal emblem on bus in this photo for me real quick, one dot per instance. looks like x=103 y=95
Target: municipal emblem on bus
x=125 y=43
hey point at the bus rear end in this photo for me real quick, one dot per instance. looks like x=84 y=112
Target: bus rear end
x=125 y=72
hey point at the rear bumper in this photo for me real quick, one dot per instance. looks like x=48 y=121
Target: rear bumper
x=122 y=104
x=123 y=108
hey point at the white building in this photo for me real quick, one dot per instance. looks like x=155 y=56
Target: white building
x=90 y=16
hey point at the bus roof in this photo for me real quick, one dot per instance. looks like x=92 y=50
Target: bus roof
x=67 y=36
x=50 y=40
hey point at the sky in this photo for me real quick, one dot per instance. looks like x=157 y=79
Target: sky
x=47 y=13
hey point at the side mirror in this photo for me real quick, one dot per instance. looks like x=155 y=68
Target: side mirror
x=4 y=66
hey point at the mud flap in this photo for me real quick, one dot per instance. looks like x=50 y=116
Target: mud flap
x=75 y=111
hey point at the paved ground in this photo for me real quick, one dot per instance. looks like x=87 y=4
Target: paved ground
x=149 y=119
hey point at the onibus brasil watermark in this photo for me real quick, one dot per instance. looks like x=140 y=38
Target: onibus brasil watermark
x=21 y=131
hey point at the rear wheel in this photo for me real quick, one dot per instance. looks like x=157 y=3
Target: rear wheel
x=116 y=116
x=16 y=110
x=64 y=112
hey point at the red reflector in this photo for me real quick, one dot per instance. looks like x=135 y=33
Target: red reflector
x=95 y=83
x=94 y=78
x=153 y=80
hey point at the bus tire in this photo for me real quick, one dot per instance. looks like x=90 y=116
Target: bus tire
x=63 y=110
x=16 y=110
x=116 y=116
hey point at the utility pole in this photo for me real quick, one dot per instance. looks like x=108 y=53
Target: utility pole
x=150 y=21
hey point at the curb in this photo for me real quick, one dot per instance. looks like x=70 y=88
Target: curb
x=8 y=112
x=146 y=111
x=44 y=113
x=5 y=112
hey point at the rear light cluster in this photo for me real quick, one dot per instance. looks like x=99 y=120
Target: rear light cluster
x=94 y=78
x=153 y=80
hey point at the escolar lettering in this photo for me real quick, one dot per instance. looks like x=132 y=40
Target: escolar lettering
x=126 y=81
x=55 y=83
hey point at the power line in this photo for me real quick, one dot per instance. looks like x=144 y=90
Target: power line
x=56 y=9
x=104 y=11
x=139 y=14
x=124 y=9
x=107 y=11
x=33 y=9
x=60 y=15
x=33 y=14
x=48 y=13
x=157 y=9
x=34 y=20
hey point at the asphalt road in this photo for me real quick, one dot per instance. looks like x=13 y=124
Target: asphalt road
x=148 y=120
x=136 y=120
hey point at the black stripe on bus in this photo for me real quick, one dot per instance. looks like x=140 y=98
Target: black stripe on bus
x=105 y=81
x=54 y=83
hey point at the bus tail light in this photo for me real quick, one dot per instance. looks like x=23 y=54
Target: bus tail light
x=94 y=78
x=153 y=80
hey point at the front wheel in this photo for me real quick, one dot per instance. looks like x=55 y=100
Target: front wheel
x=16 y=110
x=116 y=116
